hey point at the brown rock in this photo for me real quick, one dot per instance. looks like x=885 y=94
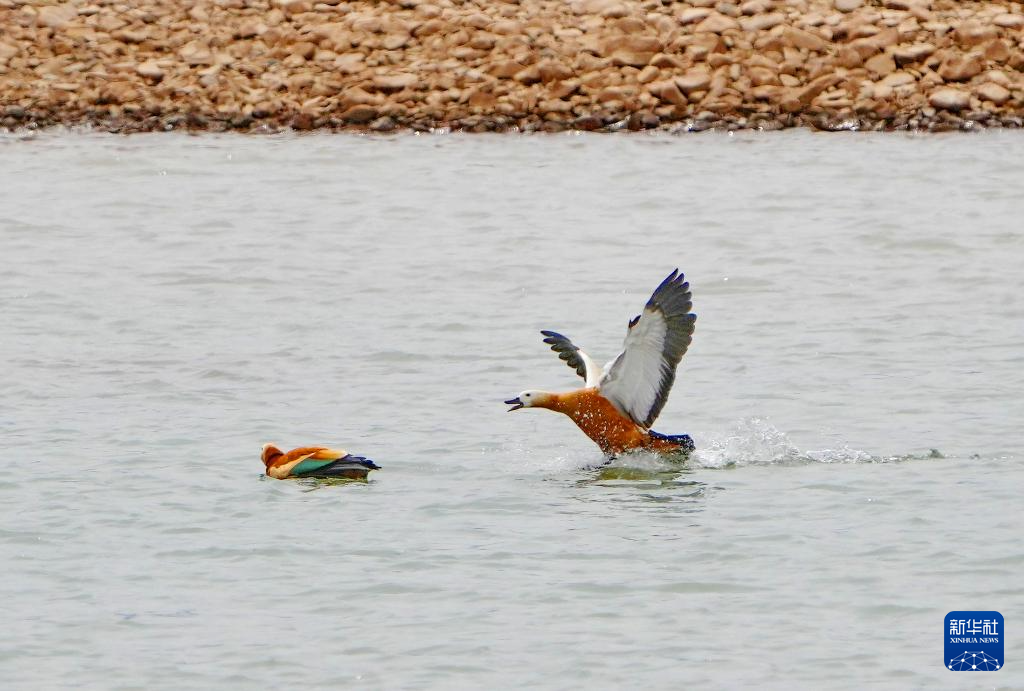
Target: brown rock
x=391 y=83
x=382 y=124
x=694 y=80
x=717 y=24
x=692 y=15
x=552 y=71
x=668 y=92
x=971 y=33
x=817 y=86
x=250 y=28
x=631 y=58
x=993 y=92
x=7 y=51
x=118 y=92
x=150 y=70
x=961 y=68
x=1009 y=21
x=196 y=53
x=394 y=42
x=881 y=64
x=996 y=50
x=761 y=22
x=950 y=99
x=350 y=63
x=909 y=54
x=359 y=114
x=56 y=16
x=506 y=69
x=648 y=74
x=798 y=38
x=528 y=75
x=357 y=96
x=760 y=76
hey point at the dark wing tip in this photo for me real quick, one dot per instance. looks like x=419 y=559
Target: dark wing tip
x=361 y=460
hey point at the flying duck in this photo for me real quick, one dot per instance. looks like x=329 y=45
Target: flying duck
x=619 y=403
x=315 y=461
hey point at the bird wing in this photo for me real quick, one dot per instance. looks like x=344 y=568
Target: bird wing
x=637 y=382
x=315 y=459
x=573 y=356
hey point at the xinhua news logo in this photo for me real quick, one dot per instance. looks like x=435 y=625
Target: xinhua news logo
x=974 y=641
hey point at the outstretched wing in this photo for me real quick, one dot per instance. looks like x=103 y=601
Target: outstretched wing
x=573 y=356
x=637 y=382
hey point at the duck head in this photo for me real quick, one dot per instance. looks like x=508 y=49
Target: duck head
x=529 y=399
x=269 y=454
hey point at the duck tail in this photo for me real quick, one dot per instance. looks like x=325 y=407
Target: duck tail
x=683 y=441
x=361 y=460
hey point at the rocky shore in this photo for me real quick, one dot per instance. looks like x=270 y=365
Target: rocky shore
x=512 y=65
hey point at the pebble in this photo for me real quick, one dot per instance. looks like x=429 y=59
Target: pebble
x=950 y=99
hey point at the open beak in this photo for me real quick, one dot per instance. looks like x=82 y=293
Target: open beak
x=515 y=403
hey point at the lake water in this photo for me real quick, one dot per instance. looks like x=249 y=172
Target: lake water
x=169 y=303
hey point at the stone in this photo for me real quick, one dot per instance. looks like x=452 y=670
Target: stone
x=950 y=99
x=383 y=124
x=961 y=68
x=971 y=33
x=150 y=70
x=762 y=22
x=391 y=83
x=847 y=5
x=692 y=15
x=909 y=54
x=250 y=28
x=996 y=50
x=798 y=38
x=693 y=80
x=993 y=92
x=717 y=24
x=359 y=114
x=881 y=64
x=56 y=16
x=1009 y=21
x=668 y=91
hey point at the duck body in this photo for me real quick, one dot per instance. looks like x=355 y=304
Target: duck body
x=612 y=431
x=315 y=462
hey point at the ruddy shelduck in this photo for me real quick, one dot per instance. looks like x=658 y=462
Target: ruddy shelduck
x=619 y=403
x=315 y=461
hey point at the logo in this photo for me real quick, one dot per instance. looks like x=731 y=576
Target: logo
x=974 y=641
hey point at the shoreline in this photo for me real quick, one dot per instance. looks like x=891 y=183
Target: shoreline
x=265 y=66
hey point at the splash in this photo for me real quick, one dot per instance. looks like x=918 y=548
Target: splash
x=755 y=441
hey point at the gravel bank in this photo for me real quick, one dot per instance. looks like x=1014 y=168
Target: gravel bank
x=487 y=65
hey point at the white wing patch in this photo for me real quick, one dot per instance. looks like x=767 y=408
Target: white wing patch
x=638 y=381
x=594 y=373
x=633 y=381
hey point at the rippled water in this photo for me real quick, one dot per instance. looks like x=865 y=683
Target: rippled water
x=169 y=303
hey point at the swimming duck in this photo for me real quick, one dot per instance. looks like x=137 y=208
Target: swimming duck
x=315 y=461
x=618 y=404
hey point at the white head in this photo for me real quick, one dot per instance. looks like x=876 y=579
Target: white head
x=528 y=399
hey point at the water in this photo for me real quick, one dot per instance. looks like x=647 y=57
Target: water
x=169 y=303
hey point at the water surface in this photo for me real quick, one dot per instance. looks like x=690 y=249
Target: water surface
x=169 y=303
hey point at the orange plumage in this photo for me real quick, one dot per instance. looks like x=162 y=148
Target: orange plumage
x=314 y=461
x=603 y=423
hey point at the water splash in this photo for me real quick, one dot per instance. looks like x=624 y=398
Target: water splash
x=755 y=441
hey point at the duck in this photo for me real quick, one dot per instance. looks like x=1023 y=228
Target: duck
x=315 y=461
x=618 y=403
